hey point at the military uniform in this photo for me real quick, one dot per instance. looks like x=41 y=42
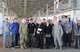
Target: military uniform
x=23 y=34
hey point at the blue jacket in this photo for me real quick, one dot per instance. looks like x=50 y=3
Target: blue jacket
x=15 y=28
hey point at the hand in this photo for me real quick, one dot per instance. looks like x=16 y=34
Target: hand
x=61 y=36
x=3 y=31
x=33 y=33
x=66 y=31
x=78 y=34
x=10 y=33
x=38 y=32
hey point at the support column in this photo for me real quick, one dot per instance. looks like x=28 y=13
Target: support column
x=7 y=13
x=3 y=6
x=69 y=4
x=47 y=11
x=25 y=8
x=54 y=7
x=39 y=14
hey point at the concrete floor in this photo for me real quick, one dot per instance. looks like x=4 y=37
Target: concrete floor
x=36 y=49
x=39 y=50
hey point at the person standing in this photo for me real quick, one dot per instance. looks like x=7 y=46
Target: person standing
x=57 y=34
x=40 y=34
x=31 y=32
x=68 y=30
x=6 y=33
x=44 y=25
x=52 y=38
x=48 y=34
x=44 y=30
x=23 y=33
x=15 y=32
x=77 y=33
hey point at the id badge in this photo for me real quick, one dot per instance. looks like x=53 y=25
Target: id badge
x=39 y=29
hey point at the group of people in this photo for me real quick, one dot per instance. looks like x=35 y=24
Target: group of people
x=40 y=33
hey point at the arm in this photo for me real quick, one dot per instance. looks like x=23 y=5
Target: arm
x=64 y=28
x=53 y=31
x=9 y=26
x=70 y=28
x=61 y=31
x=12 y=26
x=34 y=29
x=75 y=29
x=28 y=28
x=20 y=29
x=2 y=28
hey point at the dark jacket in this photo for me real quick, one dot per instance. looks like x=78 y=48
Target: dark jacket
x=41 y=26
x=31 y=28
x=48 y=29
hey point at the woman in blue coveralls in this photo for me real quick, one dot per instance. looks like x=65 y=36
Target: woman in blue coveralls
x=6 y=33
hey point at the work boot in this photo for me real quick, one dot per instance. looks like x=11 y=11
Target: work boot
x=60 y=47
x=22 y=47
x=56 y=47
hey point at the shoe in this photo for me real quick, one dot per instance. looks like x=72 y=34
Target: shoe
x=56 y=47
x=41 y=48
x=48 y=47
x=37 y=46
x=60 y=48
x=8 y=46
x=16 y=46
x=22 y=47
x=4 y=47
x=13 y=48
x=30 y=46
x=25 y=47
x=76 y=47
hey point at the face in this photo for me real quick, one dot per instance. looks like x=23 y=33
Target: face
x=47 y=23
x=26 y=21
x=31 y=21
x=15 y=20
x=44 y=20
x=50 y=21
x=78 y=21
x=67 y=20
x=6 y=20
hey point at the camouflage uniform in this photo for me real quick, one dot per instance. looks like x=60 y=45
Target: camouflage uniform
x=23 y=34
